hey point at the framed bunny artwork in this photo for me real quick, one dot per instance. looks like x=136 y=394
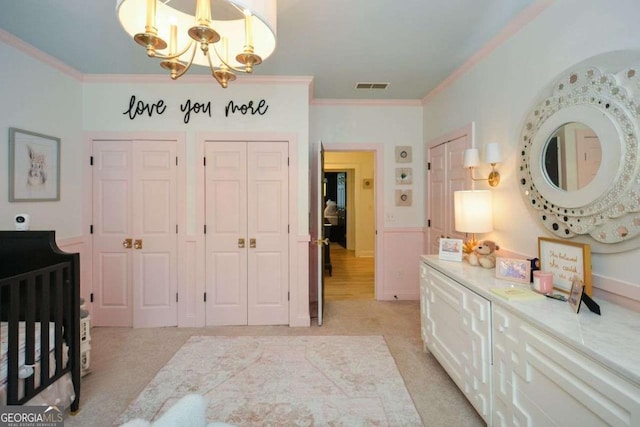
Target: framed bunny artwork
x=34 y=167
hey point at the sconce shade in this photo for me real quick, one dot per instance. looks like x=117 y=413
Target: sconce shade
x=473 y=211
x=471 y=158
x=492 y=153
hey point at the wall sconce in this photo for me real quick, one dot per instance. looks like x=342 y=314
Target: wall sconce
x=492 y=156
x=473 y=211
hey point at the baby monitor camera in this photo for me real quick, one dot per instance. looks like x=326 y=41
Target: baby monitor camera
x=21 y=222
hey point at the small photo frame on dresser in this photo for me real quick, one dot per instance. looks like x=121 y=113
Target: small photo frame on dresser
x=450 y=249
x=575 y=295
x=514 y=270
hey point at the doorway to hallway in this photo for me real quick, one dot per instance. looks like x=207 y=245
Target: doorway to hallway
x=352 y=246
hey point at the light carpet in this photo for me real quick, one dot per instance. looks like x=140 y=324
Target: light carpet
x=284 y=380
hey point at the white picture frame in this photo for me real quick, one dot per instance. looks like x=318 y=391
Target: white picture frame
x=403 y=154
x=404 y=197
x=450 y=249
x=514 y=270
x=404 y=176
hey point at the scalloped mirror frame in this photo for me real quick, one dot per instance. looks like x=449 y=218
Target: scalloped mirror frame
x=606 y=212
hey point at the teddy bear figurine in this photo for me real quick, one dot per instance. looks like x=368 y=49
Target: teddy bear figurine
x=483 y=254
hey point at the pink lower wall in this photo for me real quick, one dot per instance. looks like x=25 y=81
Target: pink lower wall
x=401 y=257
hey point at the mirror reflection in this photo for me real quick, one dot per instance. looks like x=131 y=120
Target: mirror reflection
x=572 y=156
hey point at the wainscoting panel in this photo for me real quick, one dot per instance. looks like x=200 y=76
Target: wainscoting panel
x=299 y=286
x=401 y=258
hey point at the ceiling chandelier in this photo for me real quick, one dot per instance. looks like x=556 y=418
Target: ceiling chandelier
x=244 y=28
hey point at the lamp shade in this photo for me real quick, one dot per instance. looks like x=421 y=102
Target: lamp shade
x=473 y=211
x=492 y=153
x=471 y=158
x=227 y=19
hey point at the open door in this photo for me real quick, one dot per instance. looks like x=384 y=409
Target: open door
x=318 y=240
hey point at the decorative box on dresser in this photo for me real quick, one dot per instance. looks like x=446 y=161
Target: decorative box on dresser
x=533 y=362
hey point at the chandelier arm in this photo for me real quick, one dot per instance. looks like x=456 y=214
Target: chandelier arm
x=208 y=55
x=231 y=67
x=186 y=68
x=176 y=55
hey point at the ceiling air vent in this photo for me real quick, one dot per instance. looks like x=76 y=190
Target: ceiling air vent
x=371 y=85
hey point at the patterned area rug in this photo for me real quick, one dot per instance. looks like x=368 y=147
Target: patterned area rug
x=282 y=381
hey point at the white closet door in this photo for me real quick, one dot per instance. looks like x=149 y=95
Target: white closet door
x=437 y=196
x=112 y=213
x=226 y=234
x=135 y=238
x=155 y=275
x=247 y=200
x=268 y=221
x=446 y=176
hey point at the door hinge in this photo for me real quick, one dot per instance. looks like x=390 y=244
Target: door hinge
x=205 y=297
x=176 y=297
x=428 y=223
x=204 y=161
x=288 y=228
x=205 y=229
x=176 y=160
x=428 y=166
x=91 y=229
x=91 y=297
x=287 y=161
x=288 y=296
x=91 y=160
x=176 y=228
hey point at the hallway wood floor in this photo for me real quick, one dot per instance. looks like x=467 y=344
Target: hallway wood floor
x=352 y=278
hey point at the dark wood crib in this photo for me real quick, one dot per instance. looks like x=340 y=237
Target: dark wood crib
x=40 y=286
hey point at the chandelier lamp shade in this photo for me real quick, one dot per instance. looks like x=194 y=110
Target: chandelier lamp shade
x=228 y=36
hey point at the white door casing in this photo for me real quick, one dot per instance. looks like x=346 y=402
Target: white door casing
x=316 y=228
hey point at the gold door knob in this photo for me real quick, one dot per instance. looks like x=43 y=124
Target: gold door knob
x=252 y=243
x=241 y=243
x=324 y=241
x=126 y=243
x=137 y=244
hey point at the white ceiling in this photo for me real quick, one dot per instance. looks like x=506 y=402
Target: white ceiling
x=412 y=44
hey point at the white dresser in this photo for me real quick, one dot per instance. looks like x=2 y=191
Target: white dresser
x=534 y=362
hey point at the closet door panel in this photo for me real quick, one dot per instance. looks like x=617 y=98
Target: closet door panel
x=226 y=234
x=112 y=224
x=268 y=222
x=154 y=225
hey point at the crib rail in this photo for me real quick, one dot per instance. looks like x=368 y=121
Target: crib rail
x=43 y=296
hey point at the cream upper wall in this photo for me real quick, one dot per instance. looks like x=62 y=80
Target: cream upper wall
x=105 y=103
x=389 y=126
x=38 y=98
x=498 y=92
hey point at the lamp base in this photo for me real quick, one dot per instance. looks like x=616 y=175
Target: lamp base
x=468 y=245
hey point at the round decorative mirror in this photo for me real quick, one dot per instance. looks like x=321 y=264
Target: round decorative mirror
x=578 y=165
